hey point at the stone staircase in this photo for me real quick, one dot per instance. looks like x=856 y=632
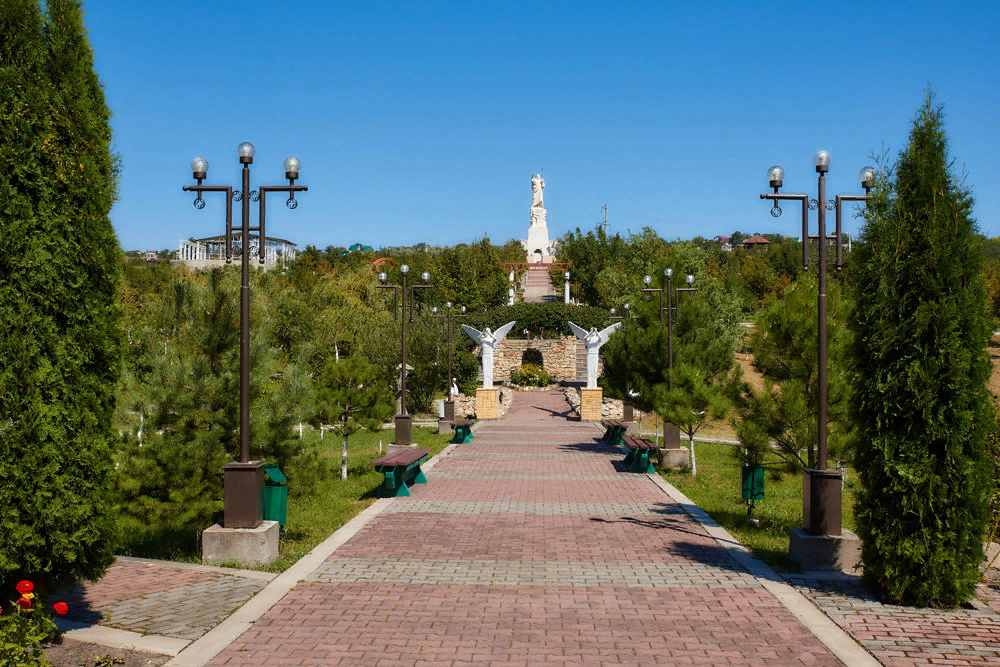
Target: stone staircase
x=537 y=287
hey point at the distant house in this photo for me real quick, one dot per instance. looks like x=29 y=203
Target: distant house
x=358 y=247
x=756 y=242
x=723 y=241
x=151 y=256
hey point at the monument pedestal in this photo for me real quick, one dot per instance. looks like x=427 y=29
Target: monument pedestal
x=591 y=404
x=487 y=403
x=249 y=546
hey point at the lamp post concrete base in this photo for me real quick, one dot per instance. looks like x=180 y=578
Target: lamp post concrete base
x=249 y=546
x=444 y=426
x=487 y=403
x=591 y=404
x=674 y=457
x=824 y=552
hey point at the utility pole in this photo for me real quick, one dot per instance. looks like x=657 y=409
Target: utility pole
x=605 y=208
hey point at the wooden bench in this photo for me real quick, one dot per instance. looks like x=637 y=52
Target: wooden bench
x=638 y=457
x=399 y=468
x=463 y=430
x=615 y=431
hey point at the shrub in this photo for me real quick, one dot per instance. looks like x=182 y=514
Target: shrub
x=60 y=288
x=921 y=404
x=530 y=375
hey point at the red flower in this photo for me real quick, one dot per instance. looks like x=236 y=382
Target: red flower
x=25 y=587
x=60 y=608
x=24 y=603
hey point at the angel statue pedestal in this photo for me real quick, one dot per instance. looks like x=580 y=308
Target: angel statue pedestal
x=488 y=398
x=487 y=403
x=591 y=404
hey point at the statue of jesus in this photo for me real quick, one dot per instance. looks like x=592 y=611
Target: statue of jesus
x=537 y=185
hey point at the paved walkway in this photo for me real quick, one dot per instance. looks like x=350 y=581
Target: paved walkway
x=528 y=545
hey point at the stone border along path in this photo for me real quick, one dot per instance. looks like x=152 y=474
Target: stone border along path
x=523 y=548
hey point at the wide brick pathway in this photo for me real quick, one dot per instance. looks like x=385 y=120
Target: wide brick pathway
x=529 y=545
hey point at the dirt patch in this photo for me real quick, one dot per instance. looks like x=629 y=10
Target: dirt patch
x=994 y=350
x=72 y=653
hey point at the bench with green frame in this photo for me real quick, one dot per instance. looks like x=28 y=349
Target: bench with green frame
x=399 y=468
x=639 y=454
x=615 y=431
x=463 y=430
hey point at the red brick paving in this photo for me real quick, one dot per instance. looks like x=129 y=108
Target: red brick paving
x=507 y=622
x=130 y=579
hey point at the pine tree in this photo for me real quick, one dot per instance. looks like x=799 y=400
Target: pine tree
x=60 y=284
x=921 y=402
x=350 y=397
x=705 y=373
x=785 y=353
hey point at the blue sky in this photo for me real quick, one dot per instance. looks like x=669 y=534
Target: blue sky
x=423 y=121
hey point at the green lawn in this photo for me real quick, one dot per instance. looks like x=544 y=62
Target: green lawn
x=313 y=517
x=716 y=489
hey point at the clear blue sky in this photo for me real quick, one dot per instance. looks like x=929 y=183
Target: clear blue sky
x=423 y=121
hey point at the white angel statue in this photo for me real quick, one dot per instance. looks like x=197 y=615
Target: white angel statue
x=488 y=340
x=594 y=339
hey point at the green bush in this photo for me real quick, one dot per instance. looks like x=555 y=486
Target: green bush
x=60 y=290
x=531 y=375
x=921 y=400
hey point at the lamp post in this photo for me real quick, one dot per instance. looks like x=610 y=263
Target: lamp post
x=404 y=421
x=821 y=502
x=673 y=295
x=449 y=318
x=566 y=288
x=244 y=479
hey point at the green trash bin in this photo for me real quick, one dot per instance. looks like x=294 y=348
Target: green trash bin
x=752 y=483
x=275 y=494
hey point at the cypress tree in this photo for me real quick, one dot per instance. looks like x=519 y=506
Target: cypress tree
x=60 y=279
x=921 y=398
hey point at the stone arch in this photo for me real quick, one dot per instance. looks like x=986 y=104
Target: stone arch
x=537 y=256
x=533 y=355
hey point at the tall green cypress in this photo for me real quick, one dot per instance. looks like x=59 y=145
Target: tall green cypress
x=60 y=279
x=921 y=400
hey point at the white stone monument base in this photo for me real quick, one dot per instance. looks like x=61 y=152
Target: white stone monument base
x=591 y=404
x=250 y=546
x=824 y=552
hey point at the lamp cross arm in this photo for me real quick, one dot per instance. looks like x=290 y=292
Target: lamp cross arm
x=208 y=188
x=853 y=197
x=284 y=188
x=779 y=196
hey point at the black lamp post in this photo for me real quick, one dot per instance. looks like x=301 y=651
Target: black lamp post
x=449 y=318
x=404 y=421
x=244 y=479
x=673 y=296
x=821 y=502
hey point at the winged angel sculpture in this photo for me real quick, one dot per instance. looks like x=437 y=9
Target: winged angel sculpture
x=488 y=340
x=594 y=339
